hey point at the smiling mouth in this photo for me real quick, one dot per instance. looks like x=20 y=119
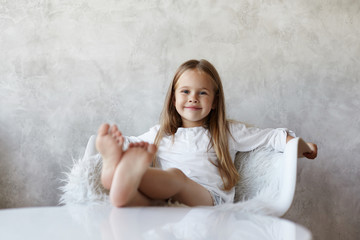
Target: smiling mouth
x=193 y=108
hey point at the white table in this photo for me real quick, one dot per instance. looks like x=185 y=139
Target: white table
x=106 y=222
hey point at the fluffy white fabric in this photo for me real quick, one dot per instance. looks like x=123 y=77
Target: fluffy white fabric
x=82 y=183
x=259 y=173
x=258 y=185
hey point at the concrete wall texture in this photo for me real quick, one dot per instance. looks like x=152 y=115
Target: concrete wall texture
x=67 y=66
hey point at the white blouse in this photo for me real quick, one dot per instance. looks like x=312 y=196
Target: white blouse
x=190 y=151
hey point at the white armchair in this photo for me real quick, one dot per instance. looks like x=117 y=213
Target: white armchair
x=267 y=182
x=268 y=178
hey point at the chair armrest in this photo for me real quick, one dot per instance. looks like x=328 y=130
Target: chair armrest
x=294 y=149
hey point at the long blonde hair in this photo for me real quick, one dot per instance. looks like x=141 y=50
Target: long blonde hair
x=216 y=121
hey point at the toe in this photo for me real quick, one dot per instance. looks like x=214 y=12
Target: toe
x=103 y=129
x=120 y=140
x=113 y=129
x=152 y=148
x=142 y=144
x=116 y=135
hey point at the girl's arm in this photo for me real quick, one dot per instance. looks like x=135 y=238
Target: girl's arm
x=312 y=146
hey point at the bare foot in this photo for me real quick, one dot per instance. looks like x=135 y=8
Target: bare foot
x=128 y=174
x=109 y=143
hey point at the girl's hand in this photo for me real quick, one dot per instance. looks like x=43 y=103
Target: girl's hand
x=313 y=153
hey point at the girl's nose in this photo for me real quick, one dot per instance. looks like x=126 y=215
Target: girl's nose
x=193 y=100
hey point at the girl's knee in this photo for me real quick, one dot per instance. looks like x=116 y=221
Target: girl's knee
x=119 y=200
x=178 y=174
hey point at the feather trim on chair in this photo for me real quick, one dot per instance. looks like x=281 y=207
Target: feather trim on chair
x=259 y=173
x=83 y=184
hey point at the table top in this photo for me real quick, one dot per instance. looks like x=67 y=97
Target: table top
x=109 y=223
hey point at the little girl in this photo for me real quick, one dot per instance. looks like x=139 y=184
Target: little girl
x=192 y=150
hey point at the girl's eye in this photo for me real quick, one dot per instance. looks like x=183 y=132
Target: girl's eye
x=185 y=91
x=203 y=93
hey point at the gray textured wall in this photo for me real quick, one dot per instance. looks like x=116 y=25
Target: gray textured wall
x=67 y=66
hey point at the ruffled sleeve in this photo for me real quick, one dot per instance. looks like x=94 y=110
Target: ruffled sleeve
x=245 y=138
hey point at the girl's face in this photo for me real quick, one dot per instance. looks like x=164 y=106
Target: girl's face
x=194 y=97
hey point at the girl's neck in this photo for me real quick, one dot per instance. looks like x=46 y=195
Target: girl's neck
x=192 y=124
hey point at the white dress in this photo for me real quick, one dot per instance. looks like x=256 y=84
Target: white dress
x=190 y=151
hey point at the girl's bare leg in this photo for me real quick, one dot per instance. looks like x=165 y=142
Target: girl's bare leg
x=173 y=183
x=128 y=174
x=136 y=184
x=109 y=143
